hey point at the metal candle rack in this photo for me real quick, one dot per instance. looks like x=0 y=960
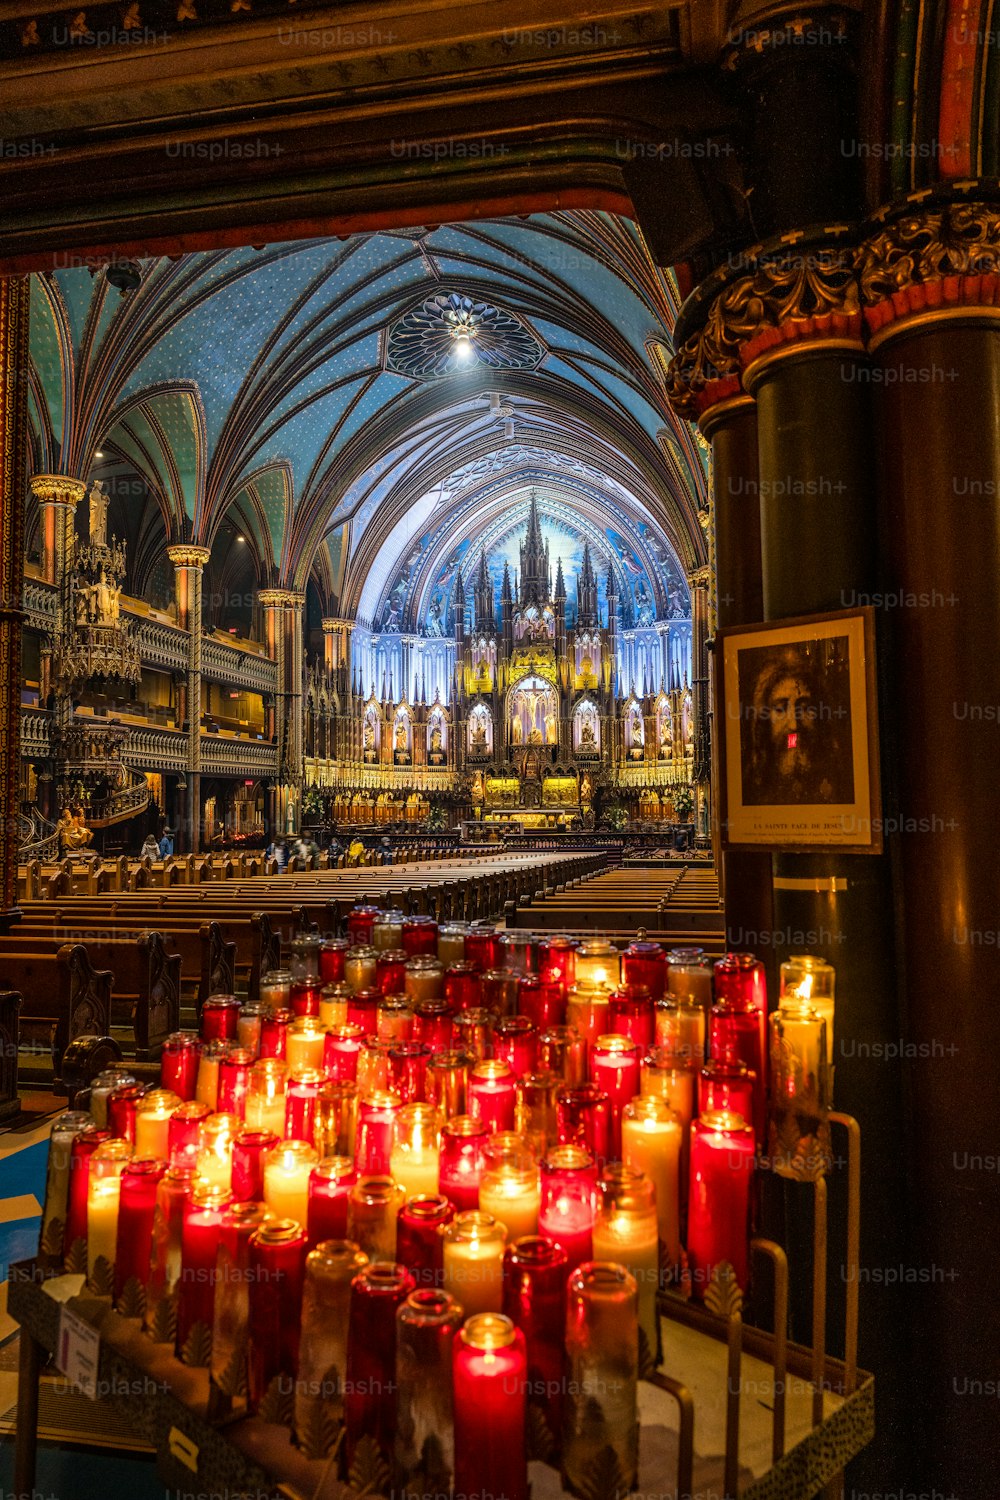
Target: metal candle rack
x=199 y=1436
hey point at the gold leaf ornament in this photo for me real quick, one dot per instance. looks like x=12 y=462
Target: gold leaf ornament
x=369 y=1472
x=723 y=1296
x=132 y=1302
x=278 y=1405
x=197 y=1347
x=102 y=1278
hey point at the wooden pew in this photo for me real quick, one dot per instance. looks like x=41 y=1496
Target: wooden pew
x=143 y=978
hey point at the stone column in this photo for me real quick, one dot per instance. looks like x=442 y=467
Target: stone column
x=929 y=274
x=283 y=614
x=189 y=562
x=14 y=302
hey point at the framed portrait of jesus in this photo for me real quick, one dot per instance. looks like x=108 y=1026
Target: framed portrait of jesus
x=796 y=720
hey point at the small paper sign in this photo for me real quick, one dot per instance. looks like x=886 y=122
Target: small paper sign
x=183 y=1449
x=77 y=1351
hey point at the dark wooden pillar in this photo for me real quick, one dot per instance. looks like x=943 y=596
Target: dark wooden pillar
x=936 y=349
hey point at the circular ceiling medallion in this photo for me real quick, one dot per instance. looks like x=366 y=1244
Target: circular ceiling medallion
x=449 y=333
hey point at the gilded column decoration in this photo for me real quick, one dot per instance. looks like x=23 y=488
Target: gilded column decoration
x=930 y=262
x=14 y=303
x=700 y=580
x=189 y=562
x=779 y=299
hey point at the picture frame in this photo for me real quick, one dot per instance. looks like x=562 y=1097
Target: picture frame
x=796 y=722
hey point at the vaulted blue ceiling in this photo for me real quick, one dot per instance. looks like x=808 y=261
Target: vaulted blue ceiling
x=282 y=384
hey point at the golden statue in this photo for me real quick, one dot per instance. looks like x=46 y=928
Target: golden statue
x=74 y=834
x=479 y=733
x=99 y=503
x=399 y=735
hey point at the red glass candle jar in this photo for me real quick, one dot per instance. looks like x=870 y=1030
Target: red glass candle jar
x=220 y=1015
x=563 y=1051
x=172 y=1194
x=304 y=1000
x=490 y=1406
x=514 y=1043
x=395 y=1019
x=179 y=1063
x=418 y=1240
x=432 y=1024
x=250 y=1150
x=203 y=1214
x=332 y=953
x=463 y=985
x=557 y=960
x=583 y=1118
x=234 y=1081
x=614 y=1064
x=741 y=981
x=370 y=1383
x=645 y=964
x=184 y=1132
x=301 y=1094
x=420 y=936
x=361 y=924
x=473 y=1032
x=276 y=1273
x=569 y=1198
x=543 y=1001
x=274 y=1024
x=340 y=1052
x=461 y=1163
x=722 y=1162
x=376 y=1125
x=726 y=1085
x=122 y=1105
x=408 y=1070
x=631 y=1013
x=492 y=1094
x=482 y=947
x=330 y=1183
x=136 y=1206
x=390 y=971
x=362 y=1009
x=535 y=1271
x=735 y=1035
x=500 y=987
x=445 y=1081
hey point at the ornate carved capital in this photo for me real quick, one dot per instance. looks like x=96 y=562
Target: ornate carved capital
x=771 y=300
x=57 y=489
x=700 y=578
x=187 y=555
x=281 y=598
x=930 y=261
